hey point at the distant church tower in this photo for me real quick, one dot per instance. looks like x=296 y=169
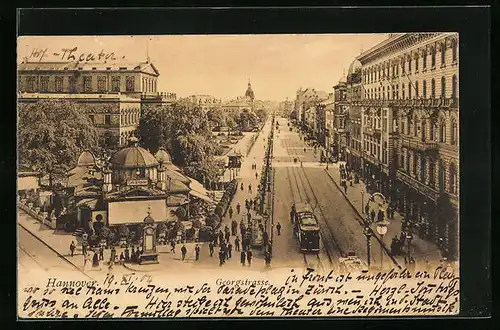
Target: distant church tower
x=249 y=93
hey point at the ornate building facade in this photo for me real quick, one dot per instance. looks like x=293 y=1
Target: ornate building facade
x=409 y=119
x=354 y=96
x=113 y=94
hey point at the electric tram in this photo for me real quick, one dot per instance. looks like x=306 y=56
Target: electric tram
x=306 y=227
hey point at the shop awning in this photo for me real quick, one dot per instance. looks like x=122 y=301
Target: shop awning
x=196 y=185
x=199 y=195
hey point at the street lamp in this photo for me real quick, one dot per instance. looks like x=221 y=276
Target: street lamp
x=382 y=230
x=362 y=201
x=367 y=232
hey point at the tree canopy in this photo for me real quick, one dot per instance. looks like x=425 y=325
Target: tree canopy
x=52 y=134
x=184 y=130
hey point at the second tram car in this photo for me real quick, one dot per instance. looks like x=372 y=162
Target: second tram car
x=306 y=227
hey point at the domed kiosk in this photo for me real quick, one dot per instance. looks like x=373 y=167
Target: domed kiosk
x=86 y=159
x=133 y=163
x=163 y=157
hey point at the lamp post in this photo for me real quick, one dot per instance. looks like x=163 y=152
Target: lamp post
x=382 y=230
x=363 y=202
x=368 y=234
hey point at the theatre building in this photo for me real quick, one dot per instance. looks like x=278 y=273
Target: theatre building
x=113 y=94
x=410 y=116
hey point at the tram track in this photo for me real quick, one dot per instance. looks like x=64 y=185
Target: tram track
x=325 y=233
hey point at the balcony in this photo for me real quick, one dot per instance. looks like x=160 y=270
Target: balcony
x=418 y=185
x=417 y=144
x=372 y=131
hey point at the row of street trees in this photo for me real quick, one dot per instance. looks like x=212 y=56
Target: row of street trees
x=236 y=120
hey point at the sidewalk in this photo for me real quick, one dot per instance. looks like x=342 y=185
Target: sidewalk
x=421 y=250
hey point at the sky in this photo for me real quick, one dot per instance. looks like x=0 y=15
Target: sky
x=221 y=65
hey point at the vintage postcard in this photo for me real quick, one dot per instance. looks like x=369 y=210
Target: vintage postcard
x=214 y=176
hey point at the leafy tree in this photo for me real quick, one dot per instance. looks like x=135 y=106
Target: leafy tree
x=261 y=114
x=217 y=117
x=124 y=231
x=184 y=130
x=51 y=135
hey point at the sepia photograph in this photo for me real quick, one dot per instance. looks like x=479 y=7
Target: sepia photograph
x=257 y=175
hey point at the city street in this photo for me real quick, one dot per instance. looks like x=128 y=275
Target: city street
x=37 y=259
x=307 y=181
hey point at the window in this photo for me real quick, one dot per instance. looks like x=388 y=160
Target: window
x=115 y=84
x=383 y=92
x=416 y=88
x=454 y=87
x=72 y=84
x=397 y=91
x=443 y=54
x=442 y=131
x=454 y=131
x=415 y=127
x=403 y=66
x=44 y=84
x=433 y=57
x=92 y=119
x=416 y=63
x=107 y=119
x=422 y=169
x=441 y=177
x=409 y=90
x=424 y=60
x=431 y=131
x=403 y=91
x=454 y=50
x=452 y=179
x=424 y=128
x=402 y=126
x=409 y=64
x=443 y=87
x=130 y=82
x=30 y=84
x=433 y=88
x=432 y=171
x=414 y=163
x=101 y=84
x=87 y=84
x=424 y=89
x=59 y=84
x=402 y=165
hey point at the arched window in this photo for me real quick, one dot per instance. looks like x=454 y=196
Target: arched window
x=442 y=131
x=424 y=89
x=433 y=88
x=452 y=179
x=443 y=87
x=443 y=53
x=409 y=64
x=424 y=60
x=424 y=128
x=433 y=57
x=416 y=89
x=454 y=87
x=454 y=50
x=454 y=131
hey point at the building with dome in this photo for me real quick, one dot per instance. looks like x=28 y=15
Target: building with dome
x=130 y=184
